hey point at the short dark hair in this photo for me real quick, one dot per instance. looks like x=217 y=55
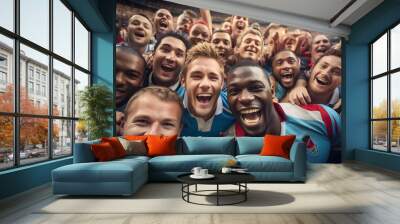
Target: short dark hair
x=219 y=31
x=130 y=50
x=174 y=34
x=248 y=63
x=273 y=58
x=222 y=31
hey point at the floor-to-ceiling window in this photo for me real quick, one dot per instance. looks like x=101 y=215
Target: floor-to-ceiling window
x=44 y=64
x=385 y=91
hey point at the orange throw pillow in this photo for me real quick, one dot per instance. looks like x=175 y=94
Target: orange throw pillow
x=103 y=152
x=275 y=145
x=116 y=145
x=161 y=145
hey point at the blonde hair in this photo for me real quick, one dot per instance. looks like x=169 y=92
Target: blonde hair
x=203 y=49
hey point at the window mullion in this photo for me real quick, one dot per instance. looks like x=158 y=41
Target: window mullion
x=73 y=81
x=388 y=95
x=371 y=89
x=50 y=81
x=16 y=84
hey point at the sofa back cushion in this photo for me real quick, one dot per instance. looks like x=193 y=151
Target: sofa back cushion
x=249 y=145
x=133 y=147
x=276 y=145
x=104 y=152
x=83 y=152
x=161 y=145
x=207 y=145
x=116 y=146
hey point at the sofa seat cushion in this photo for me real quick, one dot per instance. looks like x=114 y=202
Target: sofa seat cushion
x=185 y=163
x=257 y=163
x=133 y=157
x=112 y=171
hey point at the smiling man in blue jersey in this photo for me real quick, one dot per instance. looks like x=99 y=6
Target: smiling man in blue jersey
x=206 y=107
x=286 y=71
x=250 y=99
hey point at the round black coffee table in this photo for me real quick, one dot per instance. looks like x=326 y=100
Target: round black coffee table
x=238 y=179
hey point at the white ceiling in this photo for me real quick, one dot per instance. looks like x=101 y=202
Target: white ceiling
x=313 y=15
x=320 y=9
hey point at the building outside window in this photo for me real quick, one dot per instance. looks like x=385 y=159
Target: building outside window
x=43 y=90
x=3 y=61
x=55 y=99
x=3 y=72
x=30 y=72
x=38 y=89
x=3 y=78
x=37 y=75
x=43 y=77
x=56 y=124
x=30 y=87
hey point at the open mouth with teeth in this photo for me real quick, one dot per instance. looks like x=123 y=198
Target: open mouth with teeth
x=163 y=24
x=120 y=94
x=139 y=33
x=251 y=50
x=321 y=49
x=250 y=116
x=204 y=98
x=322 y=81
x=168 y=67
x=221 y=51
x=287 y=77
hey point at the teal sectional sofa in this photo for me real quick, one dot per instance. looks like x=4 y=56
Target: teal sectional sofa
x=125 y=176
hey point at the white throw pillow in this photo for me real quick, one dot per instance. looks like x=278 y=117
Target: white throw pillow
x=133 y=147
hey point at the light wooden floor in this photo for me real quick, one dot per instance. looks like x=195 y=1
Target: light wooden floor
x=377 y=188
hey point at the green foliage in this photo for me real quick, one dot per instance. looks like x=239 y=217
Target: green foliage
x=96 y=102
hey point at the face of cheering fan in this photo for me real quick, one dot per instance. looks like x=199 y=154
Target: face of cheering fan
x=250 y=99
x=203 y=82
x=286 y=68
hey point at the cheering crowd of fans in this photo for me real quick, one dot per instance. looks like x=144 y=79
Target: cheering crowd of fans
x=196 y=78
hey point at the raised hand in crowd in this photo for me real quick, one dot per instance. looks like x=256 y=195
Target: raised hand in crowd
x=299 y=94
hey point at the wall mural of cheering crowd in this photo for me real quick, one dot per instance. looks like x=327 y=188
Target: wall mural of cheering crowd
x=192 y=72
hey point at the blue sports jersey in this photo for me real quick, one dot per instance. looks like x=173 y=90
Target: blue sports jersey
x=280 y=91
x=218 y=124
x=315 y=124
